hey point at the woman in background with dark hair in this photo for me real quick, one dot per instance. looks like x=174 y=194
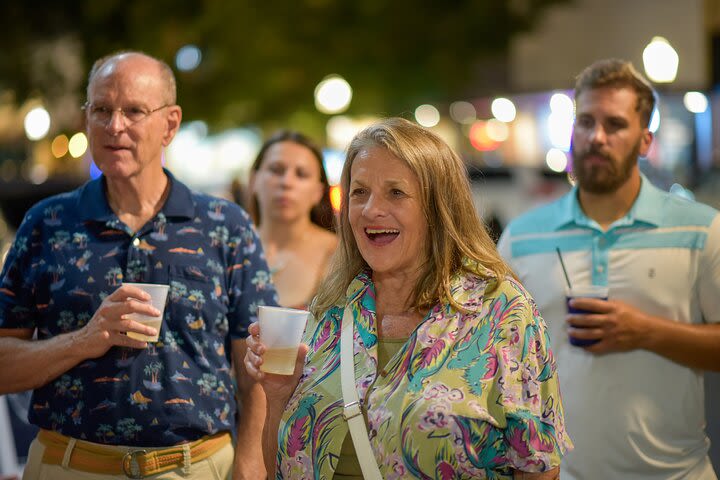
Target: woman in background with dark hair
x=290 y=204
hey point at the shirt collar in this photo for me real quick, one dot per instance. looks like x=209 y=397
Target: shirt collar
x=645 y=209
x=470 y=278
x=93 y=204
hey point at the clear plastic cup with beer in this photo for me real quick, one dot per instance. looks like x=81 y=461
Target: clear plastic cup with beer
x=158 y=296
x=281 y=330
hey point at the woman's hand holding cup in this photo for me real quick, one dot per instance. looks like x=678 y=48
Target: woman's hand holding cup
x=277 y=387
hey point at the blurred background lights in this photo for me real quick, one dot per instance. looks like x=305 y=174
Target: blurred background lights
x=37 y=123
x=77 y=145
x=560 y=130
x=333 y=95
x=479 y=137
x=556 y=160
x=333 y=161
x=654 y=121
x=336 y=198
x=696 y=102
x=199 y=128
x=497 y=130
x=38 y=174
x=188 y=58
x=562 y=104
x=340 y=130
x=427 y=115
x=503 y=109
x=463 y=112
x=660 y=61
x=59 y=146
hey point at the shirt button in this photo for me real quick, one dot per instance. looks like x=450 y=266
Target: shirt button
x=136 y=242
x=600 y=269
x=602 y=241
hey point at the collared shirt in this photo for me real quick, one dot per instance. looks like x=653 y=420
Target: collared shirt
x=632 y=415
x=469 y=395
x=72 y=251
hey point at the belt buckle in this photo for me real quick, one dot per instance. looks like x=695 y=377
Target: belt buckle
x=127 y=464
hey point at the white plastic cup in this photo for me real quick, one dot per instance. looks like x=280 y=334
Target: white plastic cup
x=281 y=330
x=158 y=296
x=585 y=291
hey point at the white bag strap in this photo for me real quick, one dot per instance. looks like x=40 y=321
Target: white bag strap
x=352 y=410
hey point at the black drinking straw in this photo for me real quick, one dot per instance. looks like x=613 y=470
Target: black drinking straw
x=562 y=264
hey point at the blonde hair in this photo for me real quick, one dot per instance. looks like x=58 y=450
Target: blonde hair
x=457 y=240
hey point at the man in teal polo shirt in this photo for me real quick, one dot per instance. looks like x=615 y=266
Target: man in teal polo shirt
x=634 y=398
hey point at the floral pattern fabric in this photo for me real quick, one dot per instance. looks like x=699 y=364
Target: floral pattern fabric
x=469 y=395
x=72 y=251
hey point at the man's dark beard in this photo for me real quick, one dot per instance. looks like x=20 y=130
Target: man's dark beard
x=606 y=178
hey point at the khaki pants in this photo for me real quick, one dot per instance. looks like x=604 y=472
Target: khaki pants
x=216 y=467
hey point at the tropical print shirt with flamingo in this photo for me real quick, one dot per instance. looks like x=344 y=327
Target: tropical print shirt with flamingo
x=72 y=251
x=469 y=395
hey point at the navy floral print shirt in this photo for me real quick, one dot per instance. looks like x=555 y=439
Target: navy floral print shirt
x=72 y=251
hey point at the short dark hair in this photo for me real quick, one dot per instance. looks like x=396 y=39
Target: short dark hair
x=168 y=77
x=322 y=213
x=615 y=73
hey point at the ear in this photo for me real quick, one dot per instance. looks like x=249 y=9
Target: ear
x=174 y=117
x=645 y=142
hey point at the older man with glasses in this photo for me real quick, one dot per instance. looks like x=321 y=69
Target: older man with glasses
x=107 y=403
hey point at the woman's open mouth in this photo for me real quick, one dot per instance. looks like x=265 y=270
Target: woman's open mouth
x=381 y=236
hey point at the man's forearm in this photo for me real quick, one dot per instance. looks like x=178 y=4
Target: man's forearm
x=29 y=364
x=248 y=453
x=694 y=346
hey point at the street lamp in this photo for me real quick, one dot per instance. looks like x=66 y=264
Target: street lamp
x=660 y=60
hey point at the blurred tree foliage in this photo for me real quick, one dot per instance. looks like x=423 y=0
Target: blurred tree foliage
x=263 y=59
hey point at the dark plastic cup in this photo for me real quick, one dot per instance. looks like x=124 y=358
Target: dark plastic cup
x=585 y=291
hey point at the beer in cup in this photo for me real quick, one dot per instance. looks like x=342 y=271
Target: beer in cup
x=281 y=330
x=158 y=296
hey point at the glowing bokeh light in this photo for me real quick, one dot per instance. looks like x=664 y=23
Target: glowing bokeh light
x=695 y=102
x=560 y=127
x=333 y=95
x=562 y=104
x=333 y=161
x=59 y=146
x=427 y=115
x=497 y=130
x=556 y=160
x=188 y=58
x=38 y=174
x=37 y=123
x=336 y=197
x=479 y=137
x=660 y=60
x=654 y=121
x=503 y=109
x=463 y=112
x=78 y=145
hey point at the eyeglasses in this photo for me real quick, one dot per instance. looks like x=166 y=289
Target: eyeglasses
x=102 y=114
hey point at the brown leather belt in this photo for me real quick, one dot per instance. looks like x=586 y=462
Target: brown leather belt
x=135 y=463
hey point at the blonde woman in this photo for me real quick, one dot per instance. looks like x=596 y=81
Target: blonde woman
x=450 y=358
